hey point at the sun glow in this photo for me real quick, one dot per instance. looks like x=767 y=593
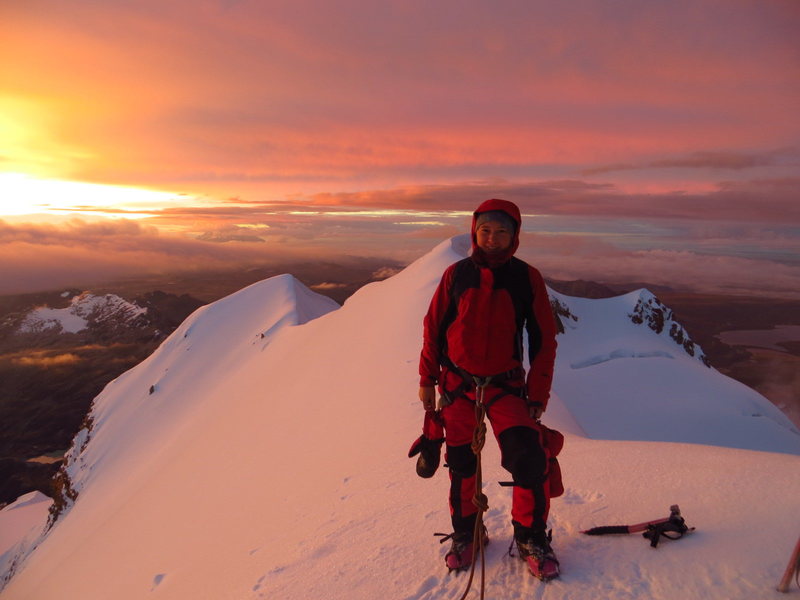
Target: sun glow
x=26 y=195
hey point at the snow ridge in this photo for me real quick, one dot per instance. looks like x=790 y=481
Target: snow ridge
x=248 y=318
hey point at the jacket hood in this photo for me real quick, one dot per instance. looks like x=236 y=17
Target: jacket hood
x=512 y=211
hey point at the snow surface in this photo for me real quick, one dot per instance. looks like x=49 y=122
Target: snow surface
x=21 y=524
x=260 y=452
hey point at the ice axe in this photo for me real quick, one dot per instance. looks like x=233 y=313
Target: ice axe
x=672 y=527
x=792 y=570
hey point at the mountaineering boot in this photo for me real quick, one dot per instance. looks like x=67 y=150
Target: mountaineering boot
x=429 y=455
x=534 y=548
x=462 y=549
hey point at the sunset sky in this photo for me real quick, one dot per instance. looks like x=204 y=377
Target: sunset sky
x=644 y=140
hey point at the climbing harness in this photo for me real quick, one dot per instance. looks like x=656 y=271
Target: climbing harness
x=468 y=381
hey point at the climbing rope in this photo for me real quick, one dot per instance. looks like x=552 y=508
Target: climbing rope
x=480 y=500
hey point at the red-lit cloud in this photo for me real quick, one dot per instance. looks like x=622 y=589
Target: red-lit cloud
x=240 y=98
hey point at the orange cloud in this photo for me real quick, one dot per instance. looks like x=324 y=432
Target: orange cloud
x=41 y=359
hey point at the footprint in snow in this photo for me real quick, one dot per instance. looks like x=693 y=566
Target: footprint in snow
x=572 y=496
x=157 y=581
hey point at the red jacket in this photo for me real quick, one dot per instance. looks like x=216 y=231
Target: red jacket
x=477 y=316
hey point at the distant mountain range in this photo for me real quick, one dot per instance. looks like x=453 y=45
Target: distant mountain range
x=57 y=352
x=106 y=317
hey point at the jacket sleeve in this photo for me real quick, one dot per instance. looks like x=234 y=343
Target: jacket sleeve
x=542 y=340
x=429 y=366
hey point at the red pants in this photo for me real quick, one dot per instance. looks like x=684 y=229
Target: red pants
x=522 y=454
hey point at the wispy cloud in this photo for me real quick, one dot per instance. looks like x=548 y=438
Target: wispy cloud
x=724 y=160
x=759 y=200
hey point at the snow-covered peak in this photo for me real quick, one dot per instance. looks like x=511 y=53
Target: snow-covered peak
x=426 y=271
x=632 y=324
x=626 y=370
x=203 y=354
x=85 y=310
x=264 y=306
x=650 y=311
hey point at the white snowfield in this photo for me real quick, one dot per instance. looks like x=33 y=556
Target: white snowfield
x=261 y=453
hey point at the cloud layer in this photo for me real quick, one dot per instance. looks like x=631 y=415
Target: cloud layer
x=78 y=253
x=571 y=230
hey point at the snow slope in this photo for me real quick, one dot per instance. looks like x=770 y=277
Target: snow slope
x=621 y=380
x=21 y=524
x=261 y=453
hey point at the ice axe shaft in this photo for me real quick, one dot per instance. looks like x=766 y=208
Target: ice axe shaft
x=674 y=511
x=792 y=569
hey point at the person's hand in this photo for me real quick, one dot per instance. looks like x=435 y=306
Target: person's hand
x=536 y=412
x=427 y=395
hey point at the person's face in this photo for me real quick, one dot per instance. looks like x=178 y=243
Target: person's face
x=493 y=238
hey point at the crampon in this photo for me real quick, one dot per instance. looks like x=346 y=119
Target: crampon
x=539 y=556
x=462 y=550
